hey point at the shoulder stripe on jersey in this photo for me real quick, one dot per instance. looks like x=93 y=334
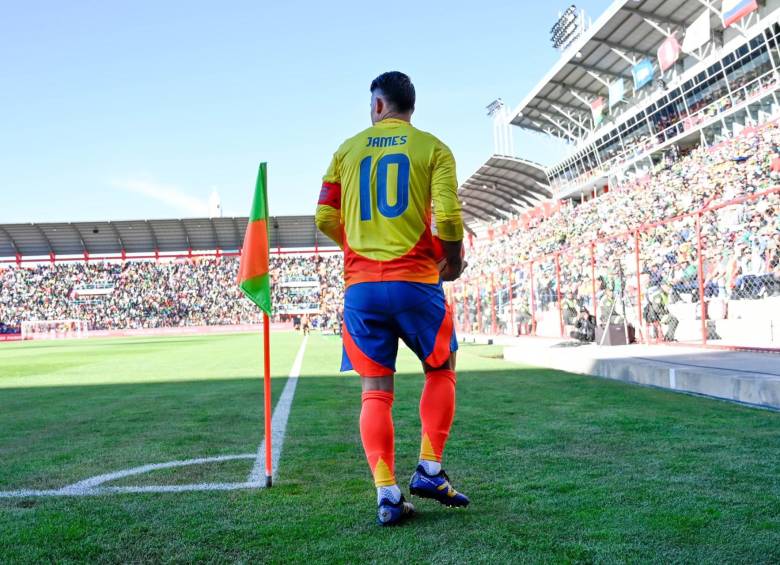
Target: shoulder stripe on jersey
x=330 y=195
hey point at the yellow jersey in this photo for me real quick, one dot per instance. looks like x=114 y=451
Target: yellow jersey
x=378 y=197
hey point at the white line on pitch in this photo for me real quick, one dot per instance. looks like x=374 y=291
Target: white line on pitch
x=25 y=493
x=175 y=488
x=279 y=422
x=98 y=480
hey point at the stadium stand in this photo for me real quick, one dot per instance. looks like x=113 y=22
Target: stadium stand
x=148 y=294
x=741 y=263
x=664 y=213
x=573 y=259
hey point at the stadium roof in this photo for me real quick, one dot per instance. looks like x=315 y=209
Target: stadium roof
x=148 y=236
x=503 y=186
x=558 y=105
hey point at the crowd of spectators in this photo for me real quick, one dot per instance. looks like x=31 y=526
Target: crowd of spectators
x=147 y=294
x=740 y=242
x=740 y=259
x=331 y=277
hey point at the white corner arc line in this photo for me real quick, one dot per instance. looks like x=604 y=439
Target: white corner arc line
x=94 y=485
x=98 y=480
x=279 y=421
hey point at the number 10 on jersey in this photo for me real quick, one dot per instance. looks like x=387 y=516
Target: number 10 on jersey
x=382 y=203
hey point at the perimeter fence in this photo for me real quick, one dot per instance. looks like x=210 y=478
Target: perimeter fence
x=709 y=277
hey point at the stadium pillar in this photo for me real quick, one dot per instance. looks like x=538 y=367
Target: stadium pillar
x=640 y=323
x=512 y=328
x=479 y=307
x=700 y=262
x=533 y=298
x=453 y=306
x=124 y=255
x=593 y=277
x=450 y=304
x=18 y=259
x=462 y=317
x=52 y=257
x=493 y=327
x=86 y=256
x=558 y=290
x=466 y=316
x=156 y=255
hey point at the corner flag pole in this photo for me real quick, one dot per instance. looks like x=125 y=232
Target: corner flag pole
x=255 y=282
x=267 y=397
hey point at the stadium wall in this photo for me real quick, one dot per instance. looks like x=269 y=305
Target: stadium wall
x=160 y=332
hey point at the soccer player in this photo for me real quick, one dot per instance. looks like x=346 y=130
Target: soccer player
x=377 y=200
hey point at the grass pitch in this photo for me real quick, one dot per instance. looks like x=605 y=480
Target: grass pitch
x=560 y=468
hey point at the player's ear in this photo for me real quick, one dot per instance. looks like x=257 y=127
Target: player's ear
x=379 y=106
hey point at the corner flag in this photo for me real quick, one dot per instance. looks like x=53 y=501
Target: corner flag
x=255 y=283
x=253 y=278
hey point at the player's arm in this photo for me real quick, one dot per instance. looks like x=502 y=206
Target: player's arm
x=449 y=220
x=328 y=216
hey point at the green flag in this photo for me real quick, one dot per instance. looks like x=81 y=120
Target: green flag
x=253 y=277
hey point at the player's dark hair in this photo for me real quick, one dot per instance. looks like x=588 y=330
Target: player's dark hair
x=397 y=89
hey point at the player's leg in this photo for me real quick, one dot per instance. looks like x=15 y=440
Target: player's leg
x=437 y=410
x=370 y=348
x=378 y=436
x=429 y=332
x=377 y=432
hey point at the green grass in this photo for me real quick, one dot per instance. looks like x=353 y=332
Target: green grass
x=560 y=468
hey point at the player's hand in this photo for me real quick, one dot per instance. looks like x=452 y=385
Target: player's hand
x=452 y=270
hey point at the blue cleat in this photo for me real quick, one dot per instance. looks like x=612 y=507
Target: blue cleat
x=436 y=487
x=390 y=514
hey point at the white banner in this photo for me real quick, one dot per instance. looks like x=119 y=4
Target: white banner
x=698 y=33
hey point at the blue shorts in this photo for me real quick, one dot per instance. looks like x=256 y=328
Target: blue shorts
x=377 y=314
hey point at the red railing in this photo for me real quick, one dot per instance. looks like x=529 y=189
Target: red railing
x=709 y=277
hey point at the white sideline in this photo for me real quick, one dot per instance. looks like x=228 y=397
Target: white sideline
x=279 y=422
x=94 y=485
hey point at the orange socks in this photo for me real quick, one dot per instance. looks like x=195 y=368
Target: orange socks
x=376 y=431
x=437 y=409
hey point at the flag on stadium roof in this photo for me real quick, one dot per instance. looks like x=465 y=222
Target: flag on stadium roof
x=642 y=73
x=599 y=109
x=616 y=91
x=698 y=33
x=734 y=10
x=668 y=52
x=253 y=277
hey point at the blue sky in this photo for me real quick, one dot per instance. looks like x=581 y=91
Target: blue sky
x=124 y=110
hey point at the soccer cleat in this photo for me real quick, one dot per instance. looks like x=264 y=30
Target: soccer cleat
x=436 y=487
x=390 y=514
